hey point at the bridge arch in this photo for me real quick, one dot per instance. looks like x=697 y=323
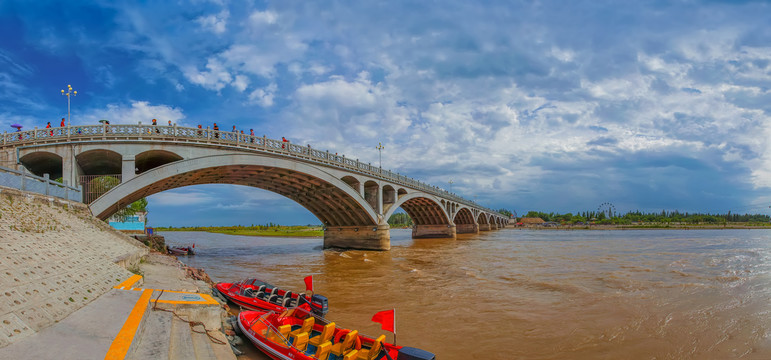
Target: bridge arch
x=330 y=199
x=99 y=162
x=423 y=209
x=151 y=159
x=43 y=162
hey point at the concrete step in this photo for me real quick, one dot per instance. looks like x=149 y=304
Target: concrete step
x=181 y=345
x=153 y=337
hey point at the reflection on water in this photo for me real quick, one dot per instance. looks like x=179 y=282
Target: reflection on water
x=664 y=294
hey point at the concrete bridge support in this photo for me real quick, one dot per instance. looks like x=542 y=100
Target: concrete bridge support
x=485 y=227
x=467 y=228
x=365 y=237
x=433 y=231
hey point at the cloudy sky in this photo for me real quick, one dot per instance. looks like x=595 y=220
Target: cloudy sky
x=525 y=105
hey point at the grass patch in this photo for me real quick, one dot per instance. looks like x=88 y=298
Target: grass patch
x=259 y=230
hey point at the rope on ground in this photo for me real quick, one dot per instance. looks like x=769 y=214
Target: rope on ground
x=192 y=324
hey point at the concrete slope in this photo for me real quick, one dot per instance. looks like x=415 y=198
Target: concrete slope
x=54 y=259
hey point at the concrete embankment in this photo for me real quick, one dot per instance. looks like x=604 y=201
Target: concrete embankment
x=73 y=287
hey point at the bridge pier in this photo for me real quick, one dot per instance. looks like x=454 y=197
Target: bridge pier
x=433 y=231
x=365 y=237
x=467 y=228
x=484 y=227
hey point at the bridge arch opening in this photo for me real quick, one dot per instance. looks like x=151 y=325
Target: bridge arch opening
x=43 y=162
x=353 y=182
x=389 y=197
x=371 y=190
x=465 y=222
x=99 y=162
x=401 y=193
x=152 y=159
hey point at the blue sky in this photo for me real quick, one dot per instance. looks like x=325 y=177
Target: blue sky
x=526 y=105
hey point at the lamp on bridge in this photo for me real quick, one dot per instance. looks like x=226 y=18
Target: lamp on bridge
x=379 y=153
x=450 y=182
x=68 y=93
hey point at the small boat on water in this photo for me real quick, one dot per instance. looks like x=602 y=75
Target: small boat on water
x=298 y=334
x=181 y=250
x=255 y=294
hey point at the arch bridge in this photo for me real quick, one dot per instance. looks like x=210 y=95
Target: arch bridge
x=119 y=164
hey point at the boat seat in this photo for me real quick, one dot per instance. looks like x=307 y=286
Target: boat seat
x=374 y=351
x=283 y=330
x=273 y=299
x=248 y=292
x=301 y=341
x=351 y=355
x=287 y=302
x=322 y=351
x=342 y=347
x=306 y=327
x=274 y=291
x=326 y=335
x=261 y=288
x=260 y=295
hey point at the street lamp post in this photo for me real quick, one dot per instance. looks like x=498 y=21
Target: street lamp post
x=68 y=93
x=450 y=185
x=379 y=153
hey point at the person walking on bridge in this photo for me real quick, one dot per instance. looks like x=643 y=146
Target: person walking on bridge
x=48 y=126
x=62 y=124
x=216 y=131
x=155 y=123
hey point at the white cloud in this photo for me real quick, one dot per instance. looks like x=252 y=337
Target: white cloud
x=215 y=77
x=216 y=23
x=264 y=96
x=183 y=197
x=138 y=111
x=263 y=17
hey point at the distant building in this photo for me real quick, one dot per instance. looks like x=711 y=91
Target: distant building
x=131 y=224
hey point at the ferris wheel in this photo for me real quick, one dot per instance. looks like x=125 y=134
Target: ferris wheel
x=608 y=209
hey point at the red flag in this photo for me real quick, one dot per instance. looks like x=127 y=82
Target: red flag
x=387 y=320
x=309 y=283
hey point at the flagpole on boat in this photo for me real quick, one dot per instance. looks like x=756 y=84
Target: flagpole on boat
x=394 y=326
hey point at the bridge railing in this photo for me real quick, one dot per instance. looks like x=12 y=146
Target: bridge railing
x=219 y=137
x=25 y=181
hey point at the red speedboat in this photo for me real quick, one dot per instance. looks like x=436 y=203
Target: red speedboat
x=298 y=334
x=255 y=294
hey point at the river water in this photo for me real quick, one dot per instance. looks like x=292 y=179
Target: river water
x=532 y=294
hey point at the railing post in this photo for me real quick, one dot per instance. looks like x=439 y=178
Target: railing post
x=34 y=133
x=23 y=178
x=208 y=133
x=174 y=130
x=48 y=183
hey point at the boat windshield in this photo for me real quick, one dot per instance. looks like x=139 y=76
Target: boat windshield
x=262 y=326
x=255 y=283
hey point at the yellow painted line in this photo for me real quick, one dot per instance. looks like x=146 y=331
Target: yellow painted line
x=121 y=344
x=130 y=281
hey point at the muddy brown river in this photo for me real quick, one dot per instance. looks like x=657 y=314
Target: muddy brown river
x=523 y=294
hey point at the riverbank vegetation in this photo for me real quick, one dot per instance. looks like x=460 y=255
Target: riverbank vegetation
x=664 y=219
x=269 y=229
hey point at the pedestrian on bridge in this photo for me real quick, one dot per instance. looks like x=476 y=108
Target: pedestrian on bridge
x=155 y=123
x=283 y=139
x=216 y=131
x=251 y=133
x=200 y=130
x=48 y=126
x=234 y=129
x=169 y=122
x=62 y=124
